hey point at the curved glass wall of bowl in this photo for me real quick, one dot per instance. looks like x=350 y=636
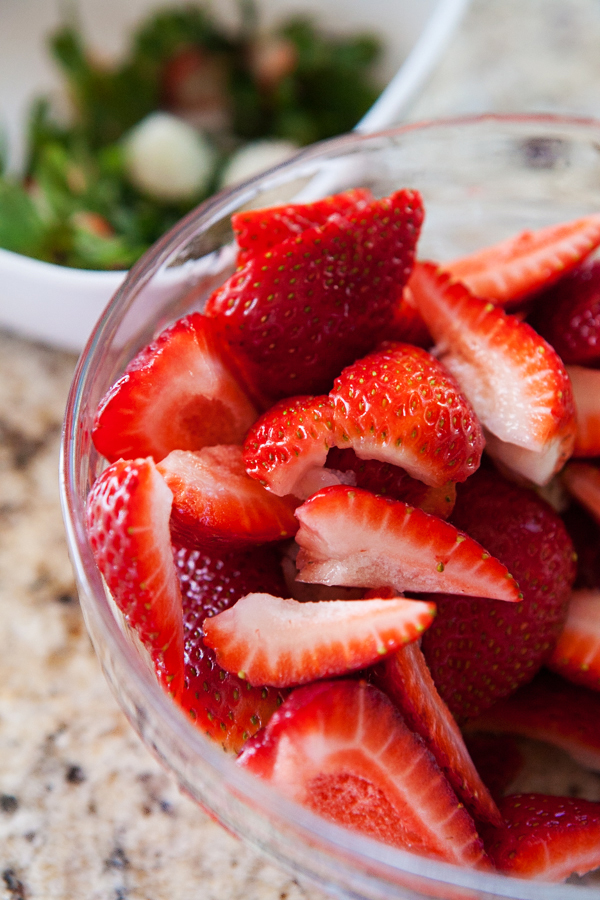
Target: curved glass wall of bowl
x=482 y=180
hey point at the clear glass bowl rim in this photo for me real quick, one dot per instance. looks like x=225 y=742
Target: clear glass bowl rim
x=364 y=852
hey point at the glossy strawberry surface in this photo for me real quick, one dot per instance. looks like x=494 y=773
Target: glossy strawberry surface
x=568 y=315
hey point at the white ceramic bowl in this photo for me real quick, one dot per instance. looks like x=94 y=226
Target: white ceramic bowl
x=59 y=305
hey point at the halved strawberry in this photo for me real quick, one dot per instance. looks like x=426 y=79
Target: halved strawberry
x=401 y=406
x=545 y=838
x=497 y=758
x=258 y=230
x=269 y=640
x=343 y=750
x=586 y=394
x=226 y=708
x=514 y=268
x=576 y=655
x=408 y=325
x=128 y=512
x=583 y=482
x=350 y=536
x=297 y=314
x=178 y=393
x=553 y=710
x=216 y=504
x=286 y=448
x=568 y=316
x=516 y=382
x=479 y=650
x=393 y=482
x=407 y=681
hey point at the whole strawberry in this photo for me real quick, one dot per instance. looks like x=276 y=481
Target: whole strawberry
x=480 y=650
x=222 y=705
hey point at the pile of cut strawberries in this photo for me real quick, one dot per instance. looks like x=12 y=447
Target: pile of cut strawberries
x=341 y=513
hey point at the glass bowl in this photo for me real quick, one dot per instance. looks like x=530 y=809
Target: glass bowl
x=482 y=179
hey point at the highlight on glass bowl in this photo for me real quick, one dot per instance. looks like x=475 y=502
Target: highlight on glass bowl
x=330 y=483
x=117 y=119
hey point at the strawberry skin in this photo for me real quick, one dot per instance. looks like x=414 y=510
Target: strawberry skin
x=408 y=325
x=498 y=760
x=515 y=381
x=128 y=514
x=407 y=681
x=401 y=406
x=351 y=537
x=216 y=504
x=576 y=655
x=300 y=312
x=568 y=316
x=586 y=394
x=478 y=650
x=178 y=393
x=342 y=749
x=226 y=708
x=259 y=230
x=511 y=270
x=545 y=838
x=553 y=710
x=269 y=640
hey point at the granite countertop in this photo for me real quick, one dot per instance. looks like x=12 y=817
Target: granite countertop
x=85 y=812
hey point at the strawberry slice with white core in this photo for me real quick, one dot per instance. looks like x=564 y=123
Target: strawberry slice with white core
x=178 y=393
x=128 y=514
x=349 y=536
x=281 y=643
x=545 y=838
x=576 y=655
x=586 y=394
x=400 y=405
x=217 y=504
x=507 y=272
x=342 y=749
x=407 y=681
x=582 y=481
x=516 y=383
x=553 y=710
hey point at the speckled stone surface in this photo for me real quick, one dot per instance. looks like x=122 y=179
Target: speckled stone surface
x=85 y=812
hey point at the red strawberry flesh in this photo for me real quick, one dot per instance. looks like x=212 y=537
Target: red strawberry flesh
x=576 y=655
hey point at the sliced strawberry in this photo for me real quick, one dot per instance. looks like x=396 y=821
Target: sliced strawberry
x=223 y=706
x=568 y=316
x=299 y=313
x=516 y=382
x=178 y=393
x=401 y=406
x=576 y=655
x=553 y=710
x=584 y=531
x=545 y=838
x=498 y=760
x=269 y=640
x=393 y=482
x=128 y=514
x=349 y=536
x=513 y=269
x=583 y=483
x=408 y=325
x=216 y=504
x=342 y=749
x=286 y=448
x=258 y=230
x=586 y=394
x=407 y=681
x=479 y=650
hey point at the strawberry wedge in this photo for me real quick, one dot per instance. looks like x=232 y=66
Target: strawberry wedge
x=586 y=394
x=515 y=381
x=349 y=536
x=576 y=655
x=407 y=681
x=507 y=272
x=282 y=643
x=342 y=750
x=216 y=504
x=553 y=710
x=583 y=482
x=178 y=393
x=128 y=514
x=545 y=838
